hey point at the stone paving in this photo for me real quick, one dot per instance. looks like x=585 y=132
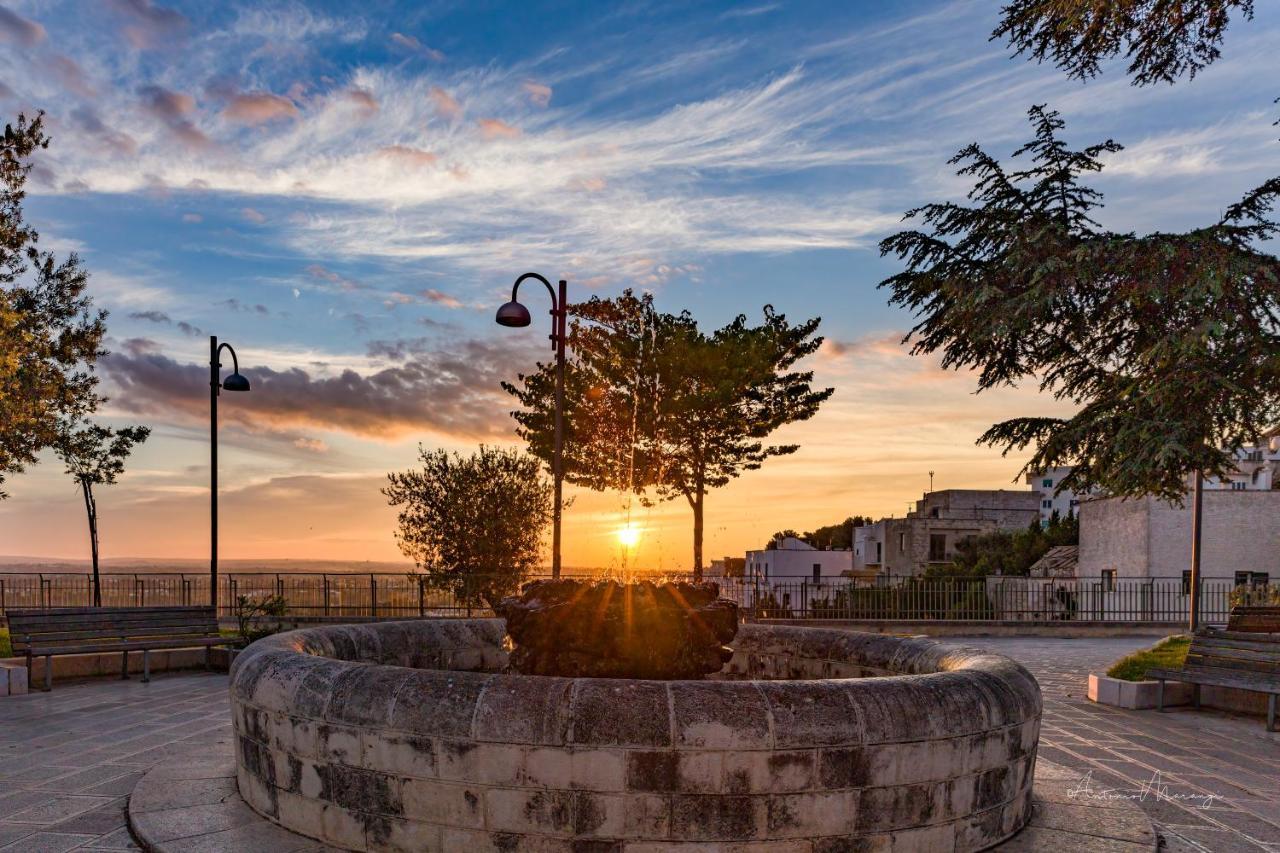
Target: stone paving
x=70 y=758
x=1209 y=781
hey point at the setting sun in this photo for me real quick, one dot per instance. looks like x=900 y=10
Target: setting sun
x=629 y=535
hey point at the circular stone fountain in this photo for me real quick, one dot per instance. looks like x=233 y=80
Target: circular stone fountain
x=407 y=736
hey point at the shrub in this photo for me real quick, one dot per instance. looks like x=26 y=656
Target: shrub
x=1169 y=653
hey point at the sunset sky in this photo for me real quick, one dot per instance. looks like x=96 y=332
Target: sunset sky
x=345 y=193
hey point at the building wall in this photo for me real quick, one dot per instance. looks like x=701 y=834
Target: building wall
x=796 y=559
x=1043 y=484
x=1150 y=538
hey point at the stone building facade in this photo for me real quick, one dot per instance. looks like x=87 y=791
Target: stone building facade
x=1147 y=537
x=929 y=533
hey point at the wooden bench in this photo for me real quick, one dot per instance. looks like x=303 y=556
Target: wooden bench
x=1254 y=619
x=86 y=630
x=1238 y=659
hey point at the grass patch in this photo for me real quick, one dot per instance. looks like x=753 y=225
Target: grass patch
x=6 y=647
x=1169 y=653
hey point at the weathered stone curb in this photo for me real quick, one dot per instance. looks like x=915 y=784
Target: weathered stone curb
x=403 y=735
x=1135 y=695
x=190 y=805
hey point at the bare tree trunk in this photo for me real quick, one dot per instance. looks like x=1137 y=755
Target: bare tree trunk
x=91 y=510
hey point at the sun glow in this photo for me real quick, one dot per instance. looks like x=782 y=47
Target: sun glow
x=629 y=535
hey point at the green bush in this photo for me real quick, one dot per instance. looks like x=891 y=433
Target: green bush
x=1169 y=653
x=6 y=647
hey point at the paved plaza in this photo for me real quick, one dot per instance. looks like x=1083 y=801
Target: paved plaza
x=69 y=759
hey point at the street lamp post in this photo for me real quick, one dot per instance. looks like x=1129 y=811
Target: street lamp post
x=234 y=382
x=515 y=315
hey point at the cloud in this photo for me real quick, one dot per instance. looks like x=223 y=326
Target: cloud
x=328 y=276
x=412 y=45
x=151 y=316
x=539 y=94
x=751 y=11
x=72 y=77
x=445 y=105
x=453 y=391
x=189 y=330
x=492 y=128
x=166 y=105
x=192 y=218
x=408 y=156
x=5 y=91
x=439 y=298
x=254 y=108
x=236 y=305
x=364 y=101
x=16 y=29
x=122 y=144
x=248 y=214
x=148 y=24
x=314 y=445
x=291 y=23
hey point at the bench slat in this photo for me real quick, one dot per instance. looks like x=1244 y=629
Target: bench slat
x=188 y=643
x=1215 y=679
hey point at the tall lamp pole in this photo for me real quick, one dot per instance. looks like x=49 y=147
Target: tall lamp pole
x=515 y=315
x=234 y=382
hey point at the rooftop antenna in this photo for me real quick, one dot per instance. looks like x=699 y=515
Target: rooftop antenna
x=931 y=481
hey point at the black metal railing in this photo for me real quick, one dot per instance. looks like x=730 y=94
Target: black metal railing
x=389 y=595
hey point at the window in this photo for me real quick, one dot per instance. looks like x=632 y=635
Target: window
x=1108 y=580
x=1239 y=485
x=879 y=552
x=937 y=547
x=817 y=572
x=1252 y=578
x=1186 y=582
x=1047 y=483
x=1046 y=504
x=1242 y=579
x=902 y=543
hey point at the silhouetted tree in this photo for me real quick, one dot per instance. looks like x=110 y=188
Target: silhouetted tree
x=473 y=524
x=666 y=409
x=1162 y=39
x=49 y=335
x=94 y=456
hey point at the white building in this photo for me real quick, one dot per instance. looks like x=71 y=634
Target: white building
x=797 y=560
x=1257 y=467
x=868 y=548
x=1046 y=483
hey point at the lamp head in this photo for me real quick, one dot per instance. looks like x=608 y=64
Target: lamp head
x=235 y=382
x=513 y=314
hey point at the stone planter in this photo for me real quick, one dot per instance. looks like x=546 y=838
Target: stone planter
x=13 y=679
x=408 y=736
x=1136 y=695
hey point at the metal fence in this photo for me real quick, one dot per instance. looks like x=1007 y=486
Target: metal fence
x=311 y=595
x=991 y=599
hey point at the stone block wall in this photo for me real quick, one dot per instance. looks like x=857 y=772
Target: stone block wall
x=403 y=736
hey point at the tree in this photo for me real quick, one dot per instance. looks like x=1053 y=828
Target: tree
x=473 y=524
x=94 y=456
x=836 y=536
x=1168 y=343
x=1008 y=552
x=49 y=335
x=664 y=409
x=1162 y=39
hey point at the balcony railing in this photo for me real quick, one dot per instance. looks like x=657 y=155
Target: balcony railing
x=338 y=596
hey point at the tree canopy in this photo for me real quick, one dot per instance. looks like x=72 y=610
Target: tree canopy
x=1167 y=342
x=839 y=535
x=1162 y=39
x=50 y=336
x=656 y=406
x=1008 y=552
x=473 y=524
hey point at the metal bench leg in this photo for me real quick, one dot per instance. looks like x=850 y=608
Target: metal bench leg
x=124 y=666
x=1160 y=695
x=1195 y=696
x=1271 y=713
x=146 y=665
x=48 y=673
